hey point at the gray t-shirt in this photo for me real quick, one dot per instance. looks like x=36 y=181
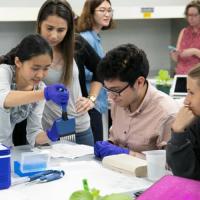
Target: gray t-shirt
x=52 y=111
x=9 y=117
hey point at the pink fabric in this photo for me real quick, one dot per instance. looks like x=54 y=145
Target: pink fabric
x=190 y=39
x=148 y=126
x=173 y=188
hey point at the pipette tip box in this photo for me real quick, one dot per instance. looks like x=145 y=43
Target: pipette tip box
x=30 y=163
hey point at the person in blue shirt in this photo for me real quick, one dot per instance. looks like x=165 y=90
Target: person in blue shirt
x=96 y=16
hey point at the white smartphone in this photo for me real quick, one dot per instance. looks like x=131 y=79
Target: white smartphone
x=172 y=48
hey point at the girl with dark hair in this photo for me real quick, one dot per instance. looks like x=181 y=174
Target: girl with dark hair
x=55 y=23
x=22 y=93
x=96 y=16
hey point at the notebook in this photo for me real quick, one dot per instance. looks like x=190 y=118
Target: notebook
x=172 y=188
x=126 y=164
x=179 y=88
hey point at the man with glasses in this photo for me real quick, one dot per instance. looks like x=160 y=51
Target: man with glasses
x=141 y=114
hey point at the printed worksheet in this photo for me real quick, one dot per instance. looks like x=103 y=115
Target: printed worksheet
x=70 y=151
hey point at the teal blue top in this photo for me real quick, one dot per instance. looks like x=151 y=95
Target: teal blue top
x=95 y=41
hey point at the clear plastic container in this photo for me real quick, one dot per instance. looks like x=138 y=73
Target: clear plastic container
x=30 y=163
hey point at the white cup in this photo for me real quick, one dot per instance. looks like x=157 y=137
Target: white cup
x=156 y=161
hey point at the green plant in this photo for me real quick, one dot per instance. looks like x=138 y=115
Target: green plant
x=94 y=194
x=163 y=78
x=85 y=195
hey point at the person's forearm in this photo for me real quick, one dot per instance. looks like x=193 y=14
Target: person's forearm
x=132 y=153
x=16 y=98
x=95 y=88
x=197 y=53
x=137 y=154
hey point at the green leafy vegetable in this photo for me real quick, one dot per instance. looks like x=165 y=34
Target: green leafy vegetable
x=117 y=197
x=81 y=195
x=163 y=78
x=94 y=194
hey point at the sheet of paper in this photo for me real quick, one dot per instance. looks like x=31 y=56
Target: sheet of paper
x=70 y=150
x=11 y=193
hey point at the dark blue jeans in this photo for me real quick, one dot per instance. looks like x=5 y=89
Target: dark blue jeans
x=85 y=137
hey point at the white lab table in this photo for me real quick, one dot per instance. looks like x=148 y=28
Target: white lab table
x=107 y=181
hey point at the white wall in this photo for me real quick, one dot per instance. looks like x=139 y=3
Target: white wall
x=124 y=9
x=29 y=3
x=147 y=2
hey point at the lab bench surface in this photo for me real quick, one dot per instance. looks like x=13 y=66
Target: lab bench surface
x=86 y=167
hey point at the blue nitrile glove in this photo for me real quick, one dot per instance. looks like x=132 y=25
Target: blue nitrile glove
x=105 y=148
x=57 y=93
x=53 y=132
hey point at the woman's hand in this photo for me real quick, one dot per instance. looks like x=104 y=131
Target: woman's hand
x=183 y=119
x=174 y=55
x=188 y=52
x=83 y=105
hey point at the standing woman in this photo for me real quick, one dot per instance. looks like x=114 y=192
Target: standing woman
x=96 y=16
x=22 y=91
x=56 y=24
x=187 y=53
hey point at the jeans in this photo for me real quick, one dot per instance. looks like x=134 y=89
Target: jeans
x=85 y=137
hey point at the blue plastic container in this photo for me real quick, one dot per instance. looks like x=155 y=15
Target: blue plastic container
x=5 y=169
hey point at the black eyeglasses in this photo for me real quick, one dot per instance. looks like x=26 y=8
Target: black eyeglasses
x=114 y=92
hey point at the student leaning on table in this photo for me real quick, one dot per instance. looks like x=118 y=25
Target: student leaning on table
x=141 y=114
x=22 y=93
x=183 y=150
x=55 y=22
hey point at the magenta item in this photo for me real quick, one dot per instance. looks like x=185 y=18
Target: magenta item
x=172 y=188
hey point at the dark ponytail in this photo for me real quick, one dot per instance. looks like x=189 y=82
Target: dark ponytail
x=9 y=58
